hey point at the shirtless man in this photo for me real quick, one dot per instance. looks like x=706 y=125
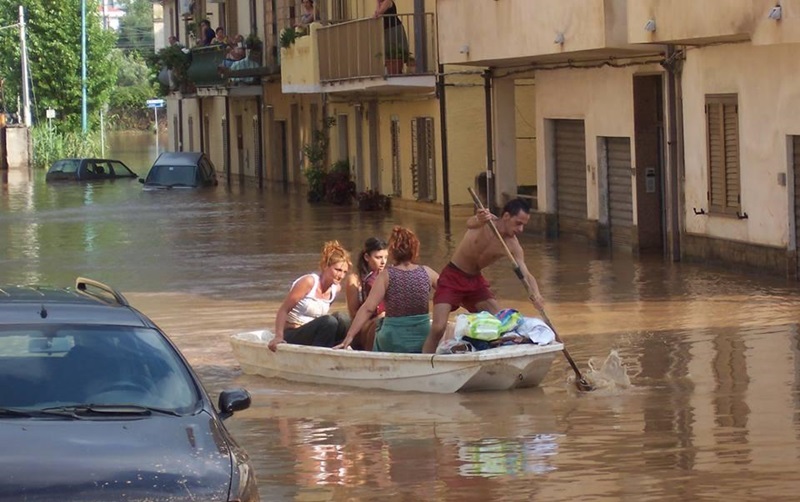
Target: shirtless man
x=461 y=283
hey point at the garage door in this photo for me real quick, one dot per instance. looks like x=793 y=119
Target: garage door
x=570 y=174
x=620 y=191
x=796 y=162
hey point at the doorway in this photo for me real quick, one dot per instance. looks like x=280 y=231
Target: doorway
x=648 y=118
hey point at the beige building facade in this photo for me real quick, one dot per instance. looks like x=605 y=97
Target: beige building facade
x=405 y=131
x=663 y=126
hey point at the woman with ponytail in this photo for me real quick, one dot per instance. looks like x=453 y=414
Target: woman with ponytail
x=405 y=289
x=303 y=317
x=371 y=262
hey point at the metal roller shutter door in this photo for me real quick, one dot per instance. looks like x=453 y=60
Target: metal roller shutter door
x=620 y=191
x=570 y=173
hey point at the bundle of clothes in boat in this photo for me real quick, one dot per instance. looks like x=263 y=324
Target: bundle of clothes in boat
x=483 y=331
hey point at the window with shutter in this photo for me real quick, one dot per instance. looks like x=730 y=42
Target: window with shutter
x=722 y=124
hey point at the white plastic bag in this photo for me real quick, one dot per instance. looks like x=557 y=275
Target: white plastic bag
x=536 y=329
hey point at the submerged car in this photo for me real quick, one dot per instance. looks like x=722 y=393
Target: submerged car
x=88 y=169
x=96 y=403
x=181 y=170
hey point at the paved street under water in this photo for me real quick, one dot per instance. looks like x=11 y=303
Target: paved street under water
x=713 y=354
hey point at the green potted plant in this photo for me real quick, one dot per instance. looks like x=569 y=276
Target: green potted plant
x=395 y=57
x=287 y=38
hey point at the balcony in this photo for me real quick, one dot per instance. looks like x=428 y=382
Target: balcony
x=533 y=31
x=213 y=76
x=359 y=55
x=300 y=64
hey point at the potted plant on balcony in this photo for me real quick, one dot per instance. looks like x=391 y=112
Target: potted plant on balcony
x=287 y=38
x=172 y=65
x=396 y=56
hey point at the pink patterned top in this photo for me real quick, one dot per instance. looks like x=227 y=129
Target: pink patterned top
x=408 y=292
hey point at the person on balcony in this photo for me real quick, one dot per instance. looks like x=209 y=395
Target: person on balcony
x=395 y=42
x=252 y=61
x=206 y=33
x=220 y=37
x=309 y=16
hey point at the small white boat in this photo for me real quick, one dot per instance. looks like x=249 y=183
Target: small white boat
x=500 y=368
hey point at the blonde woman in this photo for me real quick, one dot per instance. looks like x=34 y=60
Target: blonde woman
x=303 y=316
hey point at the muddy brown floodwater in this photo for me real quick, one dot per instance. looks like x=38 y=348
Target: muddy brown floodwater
x=712 y=353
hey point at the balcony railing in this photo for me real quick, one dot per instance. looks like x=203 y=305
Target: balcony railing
x=375 y=48
x=209 y=68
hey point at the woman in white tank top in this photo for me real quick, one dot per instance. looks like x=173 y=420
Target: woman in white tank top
x=303 y=317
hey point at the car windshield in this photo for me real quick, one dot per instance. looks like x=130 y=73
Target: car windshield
x=66 y=365
x=172 y=175
x=65 y=166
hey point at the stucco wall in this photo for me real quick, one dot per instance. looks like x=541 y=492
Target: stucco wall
x=466 y=135
x=492 y=30
x=603 y=98
x=765 y=80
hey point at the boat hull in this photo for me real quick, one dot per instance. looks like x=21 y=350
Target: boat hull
x=501 y=368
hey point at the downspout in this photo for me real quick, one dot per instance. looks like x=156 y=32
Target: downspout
x=260 y=132
x=443 y=133
x=202 y=124
x=487 y=88
x=672 y=65
x=180 y=124
x=228 y=140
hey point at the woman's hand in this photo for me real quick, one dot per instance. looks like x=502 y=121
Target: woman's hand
x=273 y=344
x=345 y=343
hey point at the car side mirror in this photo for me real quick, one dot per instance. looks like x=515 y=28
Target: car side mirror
x=233 y=400
x=141 y=180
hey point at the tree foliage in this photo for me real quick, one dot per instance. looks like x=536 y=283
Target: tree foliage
x=136 y=27
x=54 y=54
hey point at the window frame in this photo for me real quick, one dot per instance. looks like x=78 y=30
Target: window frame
x=727 y=156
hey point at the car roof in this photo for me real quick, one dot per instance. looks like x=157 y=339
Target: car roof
x=81 y=159
x=178 y=158
x=49 y=305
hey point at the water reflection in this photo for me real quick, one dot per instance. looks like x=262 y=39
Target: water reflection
x=714 y=355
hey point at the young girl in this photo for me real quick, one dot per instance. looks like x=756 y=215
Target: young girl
x=303 y=317
x=371 y=262
x=405 y=288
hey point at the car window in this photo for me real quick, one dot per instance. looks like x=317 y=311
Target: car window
x=173 y=175
x=69 y=365
x=103 y=168
x=65 y=166
x=120 y=169
x=95 y=168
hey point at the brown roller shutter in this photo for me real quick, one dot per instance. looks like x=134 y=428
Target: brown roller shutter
x=570 y=174
x=620 y=191
x=722 y=123
x=796 y=168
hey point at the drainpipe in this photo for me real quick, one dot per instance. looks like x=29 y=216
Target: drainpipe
x=201 y=127
x=487 y=88
x=260 y=132
x=672 y=64
x=228 y=140
x=443 y=134
x=180 y=124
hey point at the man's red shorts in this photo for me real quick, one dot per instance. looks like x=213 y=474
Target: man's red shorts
x=460 y=289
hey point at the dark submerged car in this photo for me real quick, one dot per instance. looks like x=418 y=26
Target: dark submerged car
x=96 y=403
x=87 y=170
x=181 y=170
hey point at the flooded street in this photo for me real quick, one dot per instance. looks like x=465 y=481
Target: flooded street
x=713 y=354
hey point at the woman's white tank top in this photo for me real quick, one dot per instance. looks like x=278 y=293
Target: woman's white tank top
x=310 y=307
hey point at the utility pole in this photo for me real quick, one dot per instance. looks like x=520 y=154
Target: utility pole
x=84 y=124
x=23 y=46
